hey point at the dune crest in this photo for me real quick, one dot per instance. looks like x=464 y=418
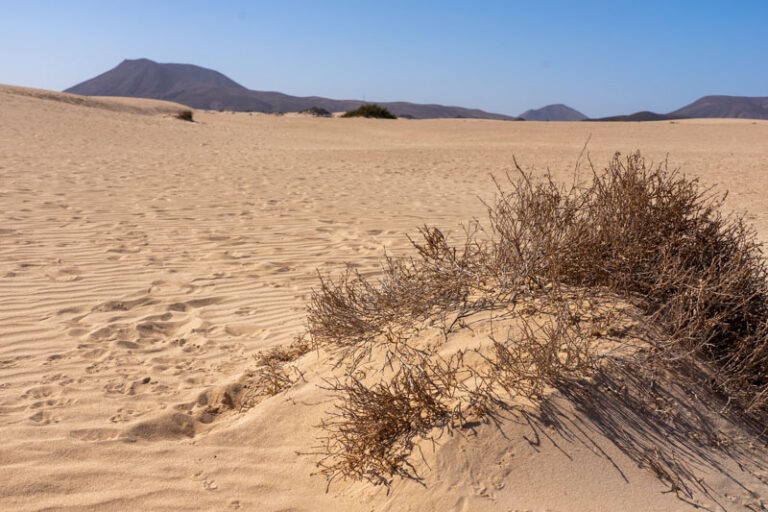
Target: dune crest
x=115 y=104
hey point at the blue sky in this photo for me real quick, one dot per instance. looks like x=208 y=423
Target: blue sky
x=601 y=58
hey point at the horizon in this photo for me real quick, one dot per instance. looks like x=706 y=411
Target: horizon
x=588 y=57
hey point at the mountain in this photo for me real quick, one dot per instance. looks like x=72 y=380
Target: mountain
x=557 y=112
x=203 y=88
x=152 y=79
x=707 y=106
x=726 y=106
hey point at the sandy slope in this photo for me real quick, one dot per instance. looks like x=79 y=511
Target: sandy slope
x=145 y=260
x=132 y=105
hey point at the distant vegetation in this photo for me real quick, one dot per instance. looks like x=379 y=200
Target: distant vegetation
x=185 y=115
x=645 y=115
x=371 y=110
x=316 y=112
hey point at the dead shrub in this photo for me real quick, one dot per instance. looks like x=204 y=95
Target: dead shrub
x=655 y=236
x=268 y=380
x=185 y=115
x=353 y=310
x=273 y=374
x=373 y=428
x=284 y=353
x=642 y=231
x=542 y=354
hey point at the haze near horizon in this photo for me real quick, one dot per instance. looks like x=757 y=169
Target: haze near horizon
x=505 y=57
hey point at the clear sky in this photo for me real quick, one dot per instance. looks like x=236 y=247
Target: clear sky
x=603 y=58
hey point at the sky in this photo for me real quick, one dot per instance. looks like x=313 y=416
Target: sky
x=602 y=58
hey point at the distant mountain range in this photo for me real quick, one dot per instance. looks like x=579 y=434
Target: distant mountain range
x=203 y=88
x=557 y=112
x=746 y=107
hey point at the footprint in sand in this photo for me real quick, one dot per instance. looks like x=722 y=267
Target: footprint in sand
x=41 y=392
x=50 y=403
x=73 y=310
x=44 y=418
x=194 y=303
x=111 y=332
x=125 y=249
x=208 y=483
x=126 y=414
x=241 y=329
x=60 y=379
x=123 y=305
x=63 y=275
x=164 y=427
x=95 y=434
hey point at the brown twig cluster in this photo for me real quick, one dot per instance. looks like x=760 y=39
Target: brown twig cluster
x=643 y=232
x=370 y=433
x=542 y=354
x=273 y=374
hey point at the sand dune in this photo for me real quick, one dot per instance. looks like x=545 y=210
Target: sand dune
x=116 y=104
x=145 y=261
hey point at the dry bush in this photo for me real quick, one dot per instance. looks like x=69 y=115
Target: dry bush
x=543 y=354
x=353 y=310
x=273 y=374
x=284 y=353
x=639 y=230
x=373 y=428
x=532 y=230
x=185 y=115
x=268 y=380
x=655 y=236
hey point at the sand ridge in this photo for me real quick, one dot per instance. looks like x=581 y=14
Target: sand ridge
x=144 y=261
x=116 y=104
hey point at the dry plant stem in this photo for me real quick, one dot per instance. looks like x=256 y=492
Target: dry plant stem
x=542 y=355
x=370 y=433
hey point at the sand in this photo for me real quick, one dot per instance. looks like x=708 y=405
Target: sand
x=145 y=260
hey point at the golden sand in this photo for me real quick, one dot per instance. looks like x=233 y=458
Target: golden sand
x=144 y=261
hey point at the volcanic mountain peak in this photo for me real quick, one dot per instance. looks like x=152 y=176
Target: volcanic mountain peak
x=556 y=112
x=148 y=79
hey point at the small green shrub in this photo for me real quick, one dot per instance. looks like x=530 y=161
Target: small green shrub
x=371 y=110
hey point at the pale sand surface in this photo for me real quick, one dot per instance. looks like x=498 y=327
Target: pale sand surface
x=145 y=260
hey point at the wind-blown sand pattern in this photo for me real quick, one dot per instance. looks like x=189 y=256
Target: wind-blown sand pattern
x=144 y=261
